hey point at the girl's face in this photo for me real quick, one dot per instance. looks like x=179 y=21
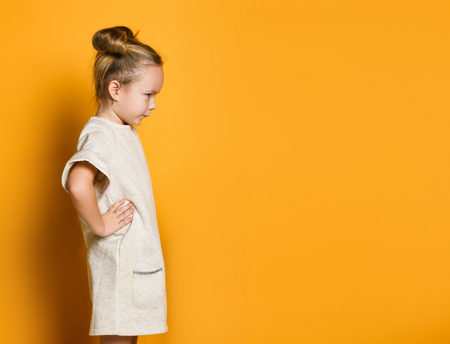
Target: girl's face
x=135 y=101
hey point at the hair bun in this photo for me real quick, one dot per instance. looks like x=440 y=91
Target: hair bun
x=112 y=40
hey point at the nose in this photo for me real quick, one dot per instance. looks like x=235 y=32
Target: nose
x=152 y=104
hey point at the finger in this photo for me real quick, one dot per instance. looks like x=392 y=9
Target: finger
x=116 y=205
x=124 y=209
x=126 y=221
x=123 y=205
x=125 y=214
x=129 y=211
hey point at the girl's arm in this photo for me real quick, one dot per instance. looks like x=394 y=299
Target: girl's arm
x=82 y=192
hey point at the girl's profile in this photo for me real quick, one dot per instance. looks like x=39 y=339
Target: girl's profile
x=110 y=186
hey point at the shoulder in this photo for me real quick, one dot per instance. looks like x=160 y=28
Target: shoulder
x=97 y=130
x=95 y=134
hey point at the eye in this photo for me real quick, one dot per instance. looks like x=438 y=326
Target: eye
x=148 y=94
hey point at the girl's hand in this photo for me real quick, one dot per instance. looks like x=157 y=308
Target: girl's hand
x=116 y=217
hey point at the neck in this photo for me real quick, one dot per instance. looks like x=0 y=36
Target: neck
x=108 y=113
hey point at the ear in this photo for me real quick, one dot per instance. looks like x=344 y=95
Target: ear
x=114 y=89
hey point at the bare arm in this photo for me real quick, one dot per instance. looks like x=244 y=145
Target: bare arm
x=82 y=193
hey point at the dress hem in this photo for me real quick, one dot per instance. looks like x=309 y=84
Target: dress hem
x=97 y=332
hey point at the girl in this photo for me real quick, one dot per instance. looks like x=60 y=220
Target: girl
x=110 y=186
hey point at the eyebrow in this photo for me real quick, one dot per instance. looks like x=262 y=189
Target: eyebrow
x=150 y=91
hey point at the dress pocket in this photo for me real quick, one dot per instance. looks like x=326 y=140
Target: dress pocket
x=148 y=288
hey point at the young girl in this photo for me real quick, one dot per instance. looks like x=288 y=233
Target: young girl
x=110 y=186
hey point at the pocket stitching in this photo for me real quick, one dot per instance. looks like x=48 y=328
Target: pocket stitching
x=135 y=272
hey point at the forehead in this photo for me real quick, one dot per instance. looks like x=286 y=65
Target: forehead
x=151 y=77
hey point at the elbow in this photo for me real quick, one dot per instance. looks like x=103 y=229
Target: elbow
x=77 y=189
x=73 y=190
x=76 y=192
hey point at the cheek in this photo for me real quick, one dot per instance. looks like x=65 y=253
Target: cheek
x=136 y=102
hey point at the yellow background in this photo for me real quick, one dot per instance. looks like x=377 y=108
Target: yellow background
x=299 y=157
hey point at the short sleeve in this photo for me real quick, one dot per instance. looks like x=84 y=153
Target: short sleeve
x=94 y=147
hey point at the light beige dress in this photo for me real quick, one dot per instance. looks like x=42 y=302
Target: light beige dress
x=126 y=269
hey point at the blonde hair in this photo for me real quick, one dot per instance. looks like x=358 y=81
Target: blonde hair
x=120 y=56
